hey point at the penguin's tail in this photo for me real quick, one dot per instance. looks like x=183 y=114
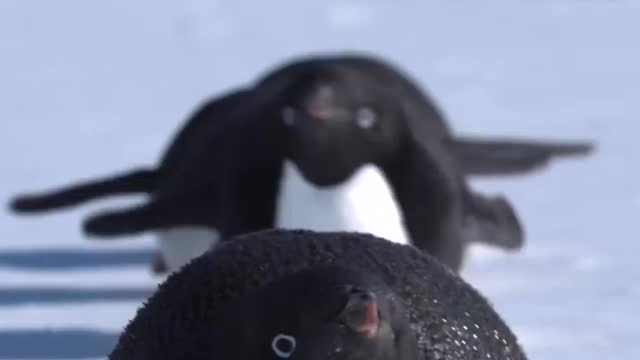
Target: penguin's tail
x=137 y=181
x=500 y=157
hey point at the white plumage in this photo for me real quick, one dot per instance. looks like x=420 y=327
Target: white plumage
x=363 y=203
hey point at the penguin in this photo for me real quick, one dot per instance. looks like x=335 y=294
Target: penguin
x=320 y=313
x=325 y=143
x=291 y=294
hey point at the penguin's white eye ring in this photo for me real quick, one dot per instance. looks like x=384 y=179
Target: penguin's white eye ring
x=365 y=117
x=283 y=345
x=289 y=116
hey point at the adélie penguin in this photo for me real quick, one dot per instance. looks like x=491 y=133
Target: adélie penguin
x=327 y=143
x=281 y=294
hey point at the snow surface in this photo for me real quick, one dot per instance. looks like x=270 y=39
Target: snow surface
x=88 y=88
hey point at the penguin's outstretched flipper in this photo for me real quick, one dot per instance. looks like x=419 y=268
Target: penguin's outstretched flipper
x=150 y=216
x=204 y=124
x=496 y=157
x=138 y=181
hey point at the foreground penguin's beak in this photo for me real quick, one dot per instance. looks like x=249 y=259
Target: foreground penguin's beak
x=360 y=313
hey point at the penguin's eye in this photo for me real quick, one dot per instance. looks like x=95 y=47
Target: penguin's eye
x=283 y=345
x=289 y=116
x=365 y=117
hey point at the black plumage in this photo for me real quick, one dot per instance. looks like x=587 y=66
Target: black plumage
x=448 y=318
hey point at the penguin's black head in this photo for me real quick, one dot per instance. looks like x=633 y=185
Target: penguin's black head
x=337 y=121
x=334 y=314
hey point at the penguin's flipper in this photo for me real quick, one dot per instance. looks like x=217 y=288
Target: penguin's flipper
x=494 y=157
x=493 y=221
x=135 y=181
x=151 y=216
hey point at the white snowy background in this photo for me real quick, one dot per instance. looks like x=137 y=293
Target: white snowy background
x=88 y=88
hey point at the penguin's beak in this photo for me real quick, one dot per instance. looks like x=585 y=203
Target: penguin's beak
x=321 y=104
x=360 y=313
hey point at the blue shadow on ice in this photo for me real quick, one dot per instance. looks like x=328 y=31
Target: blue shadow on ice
x=63 y=344
x=18 y=296
x=50 y=259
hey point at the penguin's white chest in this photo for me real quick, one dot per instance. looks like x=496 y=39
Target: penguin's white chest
x=364 y=203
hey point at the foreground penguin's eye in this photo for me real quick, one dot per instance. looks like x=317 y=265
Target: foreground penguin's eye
x=289 y=116
x=365 y=117
x=283 y=345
